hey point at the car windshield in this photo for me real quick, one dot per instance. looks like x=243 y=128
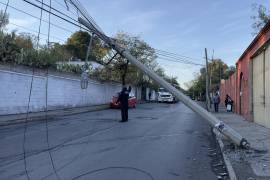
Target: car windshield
x=162 y=90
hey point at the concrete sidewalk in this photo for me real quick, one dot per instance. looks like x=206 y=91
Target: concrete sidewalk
x=252 y=164
x=35 y=116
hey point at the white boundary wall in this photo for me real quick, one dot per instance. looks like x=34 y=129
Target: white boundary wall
x=63 y=91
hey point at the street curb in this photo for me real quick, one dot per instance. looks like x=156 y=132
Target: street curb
x=227 y=161
x=39 y=116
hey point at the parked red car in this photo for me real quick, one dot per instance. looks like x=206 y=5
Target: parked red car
x=132 y=101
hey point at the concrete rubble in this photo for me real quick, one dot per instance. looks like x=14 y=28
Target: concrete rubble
x=253 y=163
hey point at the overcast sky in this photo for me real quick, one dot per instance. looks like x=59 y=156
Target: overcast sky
x=183 y=27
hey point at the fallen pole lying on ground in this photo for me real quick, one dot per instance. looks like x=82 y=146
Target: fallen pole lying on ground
x=227 y=131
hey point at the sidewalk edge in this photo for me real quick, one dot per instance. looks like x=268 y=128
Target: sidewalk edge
x=51 y=114
x=227 y=161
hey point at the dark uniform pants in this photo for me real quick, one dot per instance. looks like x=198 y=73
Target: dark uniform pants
x=124 y=113
x=216 y=107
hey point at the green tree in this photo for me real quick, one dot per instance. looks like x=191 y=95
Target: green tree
x=4 y=19
x=24 y=41
x=63 y=53
x=78 y=43
x=261 y=18
x=9 y=50
x=143 y=52
x=120 y=69
x=217 y=70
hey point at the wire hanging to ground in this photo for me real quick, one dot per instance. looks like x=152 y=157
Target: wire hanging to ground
x=46 y=99
x=25 y=125
x=47 y=129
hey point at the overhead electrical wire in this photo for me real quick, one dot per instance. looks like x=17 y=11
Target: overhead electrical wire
x=52 y=8
x=177 y=59
x=177 y=55
x=85 y=14
x=174 y=58
x=34 y=31
x=24 y=12
x=56 y=15
x=65 y=7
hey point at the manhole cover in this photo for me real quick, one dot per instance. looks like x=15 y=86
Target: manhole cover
x=145 y=118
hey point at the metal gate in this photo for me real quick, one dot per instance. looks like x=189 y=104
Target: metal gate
x=261 y=88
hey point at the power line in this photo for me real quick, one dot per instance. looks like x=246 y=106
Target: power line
x=177 y=58
x=85 y=14
x=175 y=54
x=65 y=7
x=28 y=29
x=24 y=12
x=52 y=8
x=178 y=61
x=173 y=58
x=60 y=17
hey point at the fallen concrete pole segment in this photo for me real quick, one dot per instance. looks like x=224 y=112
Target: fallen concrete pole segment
x=227 y=131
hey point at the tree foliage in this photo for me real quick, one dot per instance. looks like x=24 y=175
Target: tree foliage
x=217 y=70
x=78 y=43
x=21 y=49
x=261 y=18
x=4 y=19
x=121 y=70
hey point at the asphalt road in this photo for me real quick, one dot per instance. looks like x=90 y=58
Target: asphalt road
x=160 y=142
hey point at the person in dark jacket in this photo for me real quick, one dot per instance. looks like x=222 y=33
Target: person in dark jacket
x=228 y=101
x=216 y=101
x=123 y=99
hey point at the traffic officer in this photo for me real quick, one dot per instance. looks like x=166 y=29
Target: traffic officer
x=123 y=99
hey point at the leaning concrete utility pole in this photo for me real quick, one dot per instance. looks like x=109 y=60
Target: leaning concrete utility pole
x=235 y=137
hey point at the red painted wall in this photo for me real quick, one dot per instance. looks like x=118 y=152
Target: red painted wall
x=228 y=87
x=233 y=84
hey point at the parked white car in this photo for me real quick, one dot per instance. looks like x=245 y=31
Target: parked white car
x=164 y=96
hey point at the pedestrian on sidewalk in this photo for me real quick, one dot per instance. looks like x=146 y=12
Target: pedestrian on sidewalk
x=123 y=99
x=216 y=100
x=228 y=103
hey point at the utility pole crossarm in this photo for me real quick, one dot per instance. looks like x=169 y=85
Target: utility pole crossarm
x=213 y=121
